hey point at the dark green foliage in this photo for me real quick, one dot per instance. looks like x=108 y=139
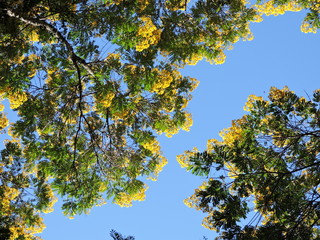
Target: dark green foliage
x=117 y=236
x=272 y=159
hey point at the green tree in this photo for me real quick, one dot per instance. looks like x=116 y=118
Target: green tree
x=268 y=161
x=117 y=236
x=93 y=83
x=21 y=200
x=276 y=7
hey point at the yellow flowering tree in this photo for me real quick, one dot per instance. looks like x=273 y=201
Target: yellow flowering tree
x=24 y=195
x=310 y=23
x=94 y=82
x=266 y=166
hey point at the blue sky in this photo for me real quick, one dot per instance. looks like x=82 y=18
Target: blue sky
x=279 y=55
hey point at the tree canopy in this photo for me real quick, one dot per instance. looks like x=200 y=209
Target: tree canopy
x=93 y=83
x=267 y=161
x=117 y=236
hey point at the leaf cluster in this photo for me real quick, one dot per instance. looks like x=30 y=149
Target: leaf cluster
x=272 y=169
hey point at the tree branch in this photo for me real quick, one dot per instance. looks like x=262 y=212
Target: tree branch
x=50 y=28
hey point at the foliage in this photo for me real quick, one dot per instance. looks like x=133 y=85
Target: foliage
x=93 y=83
x=117 y=236
x=21 y=199
x=268 y=161
x=276 y=7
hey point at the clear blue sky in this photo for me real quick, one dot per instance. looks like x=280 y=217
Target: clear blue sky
x=279 y=55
